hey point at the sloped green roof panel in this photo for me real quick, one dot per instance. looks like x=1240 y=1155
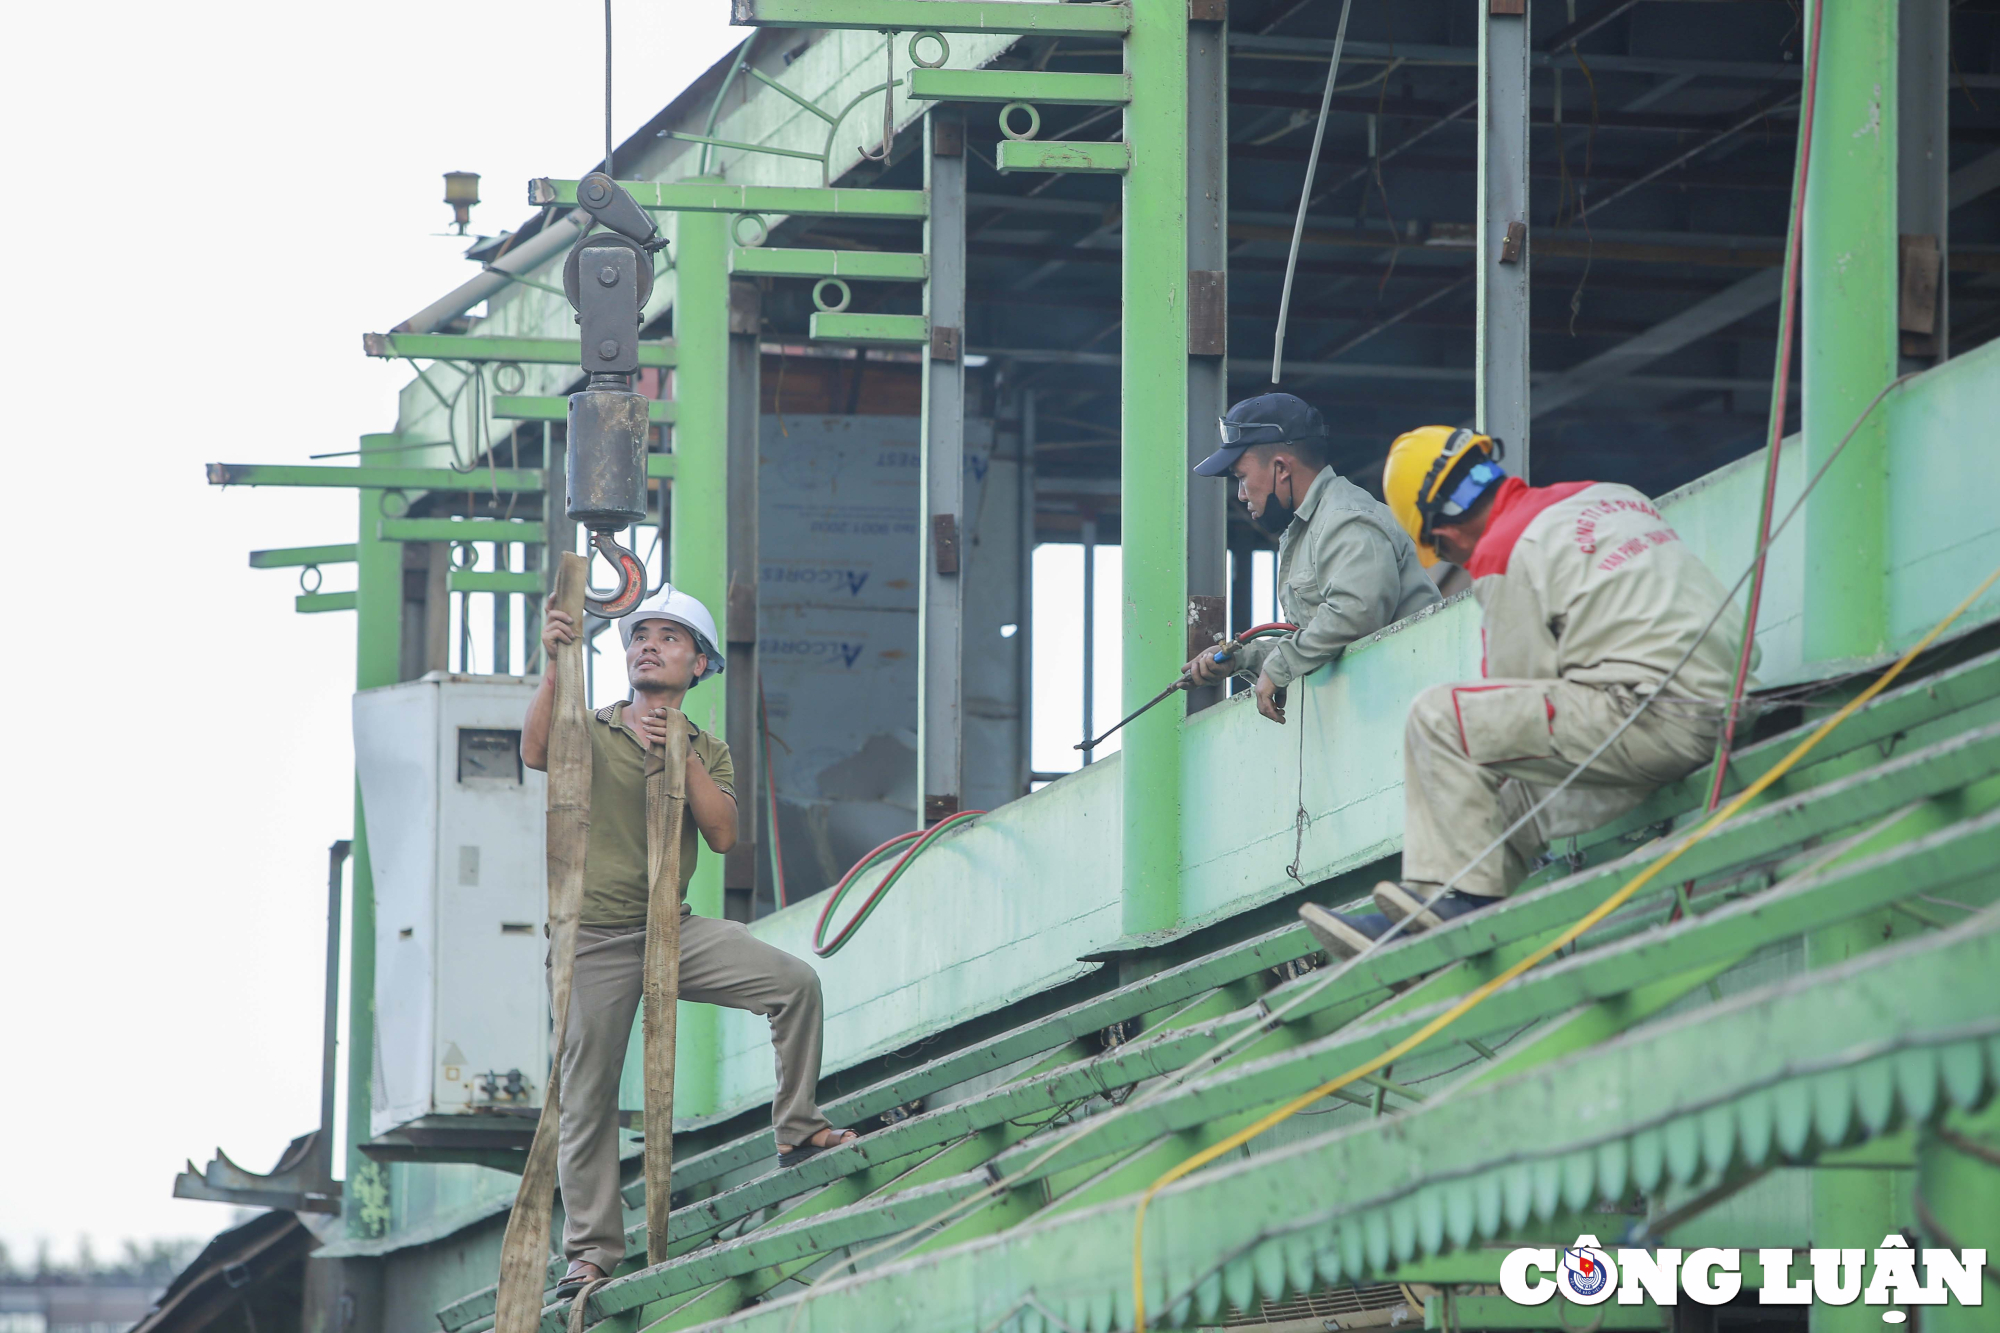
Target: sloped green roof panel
x=1909 y=1018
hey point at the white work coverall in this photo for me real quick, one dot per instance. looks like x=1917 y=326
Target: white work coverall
x=1346 y=568
x=1594 y=604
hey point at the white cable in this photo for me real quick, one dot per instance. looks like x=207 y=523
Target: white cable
x=1305 y=195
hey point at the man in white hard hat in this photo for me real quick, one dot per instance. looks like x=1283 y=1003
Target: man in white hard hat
x=669 y=649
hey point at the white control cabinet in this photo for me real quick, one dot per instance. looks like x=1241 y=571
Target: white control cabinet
x=455 y=841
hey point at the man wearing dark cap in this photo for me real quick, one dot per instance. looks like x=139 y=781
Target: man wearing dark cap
x=1346 y=567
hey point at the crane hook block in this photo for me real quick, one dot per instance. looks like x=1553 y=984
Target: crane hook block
x=631 y=579
x=612 y=207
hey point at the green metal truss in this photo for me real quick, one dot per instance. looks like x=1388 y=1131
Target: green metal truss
x=517 y=480
x=1079 y=20
x=1020 y=85
x=525 y=351
x=1056 y=155
x=711 y=196
x=459 y=530
x=872 y=265
x=549 y=407
x=1707 y=1096
x=1887 y=1040
x=293 y=557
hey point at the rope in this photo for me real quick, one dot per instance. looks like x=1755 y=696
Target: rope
x=524 y=1252
x=666 y=809
x=771 y=794
x=1569 y=936
x=1780 y=392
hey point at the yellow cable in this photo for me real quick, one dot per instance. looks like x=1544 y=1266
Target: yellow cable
x=1479 y=996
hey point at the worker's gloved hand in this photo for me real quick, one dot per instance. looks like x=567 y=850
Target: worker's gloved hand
x=1205 y=670
x=1270 y=699
x=557 y=630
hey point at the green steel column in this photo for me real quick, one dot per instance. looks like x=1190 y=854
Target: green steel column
x=1853 y=1209
x=1960 y=1190
x=699 y=549
x=378 y=612
x=1153 y=467
x=1849 y=347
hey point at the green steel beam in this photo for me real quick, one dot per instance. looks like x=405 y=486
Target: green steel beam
x=526 y=351
x=378 y=595
x=1174 y=986
x=1041 y=20
x=1055 y=155
x=312 y=603
x=516 y=480
x=873 y=265
x=660 y=467
x=1153 y=475
x=528 y=582
x=870 y=330
x=1849 y=339
x=460 y=530
x=1019 y=85
x=291 y=557
x=714 y=196
x=769 y=1245
x=1896 y=713
x=1840 y=1053
x=1958 y=1180
x=699 y=549
x=549 y=407
x=1584 y=978
x=1726 y=934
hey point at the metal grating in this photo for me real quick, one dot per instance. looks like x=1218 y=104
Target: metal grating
x=1331 y=1308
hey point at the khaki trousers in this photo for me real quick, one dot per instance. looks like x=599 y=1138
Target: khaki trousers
x=721 y=963
x=1478 y=755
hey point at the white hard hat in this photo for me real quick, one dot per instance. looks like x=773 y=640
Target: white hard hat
x=671 y=604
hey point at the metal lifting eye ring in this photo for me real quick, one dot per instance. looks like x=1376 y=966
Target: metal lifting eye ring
x=736 y=229
x=464 y=555
x=1034 y=121
x=313 y=570
x=509 y=378
x=819 y=302
x=393 y=504
x=944 y=49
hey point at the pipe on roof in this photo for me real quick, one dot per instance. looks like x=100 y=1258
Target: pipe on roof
x=531 y=253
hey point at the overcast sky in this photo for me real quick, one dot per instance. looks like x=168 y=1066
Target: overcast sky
x=213 y=204
x=263 y=186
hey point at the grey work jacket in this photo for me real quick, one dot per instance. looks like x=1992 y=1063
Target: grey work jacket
x=1346 y=568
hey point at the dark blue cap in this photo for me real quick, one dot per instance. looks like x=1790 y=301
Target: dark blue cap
x=1269 y=418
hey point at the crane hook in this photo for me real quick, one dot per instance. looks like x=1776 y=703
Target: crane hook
x=631 y=578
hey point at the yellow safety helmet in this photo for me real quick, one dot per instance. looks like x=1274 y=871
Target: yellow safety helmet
x=1437 y=472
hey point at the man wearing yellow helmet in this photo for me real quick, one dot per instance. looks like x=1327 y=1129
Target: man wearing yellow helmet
x=1345 y=567
x=1590 y=601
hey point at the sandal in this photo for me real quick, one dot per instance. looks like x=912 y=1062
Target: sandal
x=800 y=1152
x=581 y=1274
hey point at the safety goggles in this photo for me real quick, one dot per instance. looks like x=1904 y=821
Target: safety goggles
x=1232 y=431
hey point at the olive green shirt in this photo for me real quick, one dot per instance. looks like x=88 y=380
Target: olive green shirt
x=614 y=862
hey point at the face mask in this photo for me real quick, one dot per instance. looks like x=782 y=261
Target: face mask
x=1277 y=515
